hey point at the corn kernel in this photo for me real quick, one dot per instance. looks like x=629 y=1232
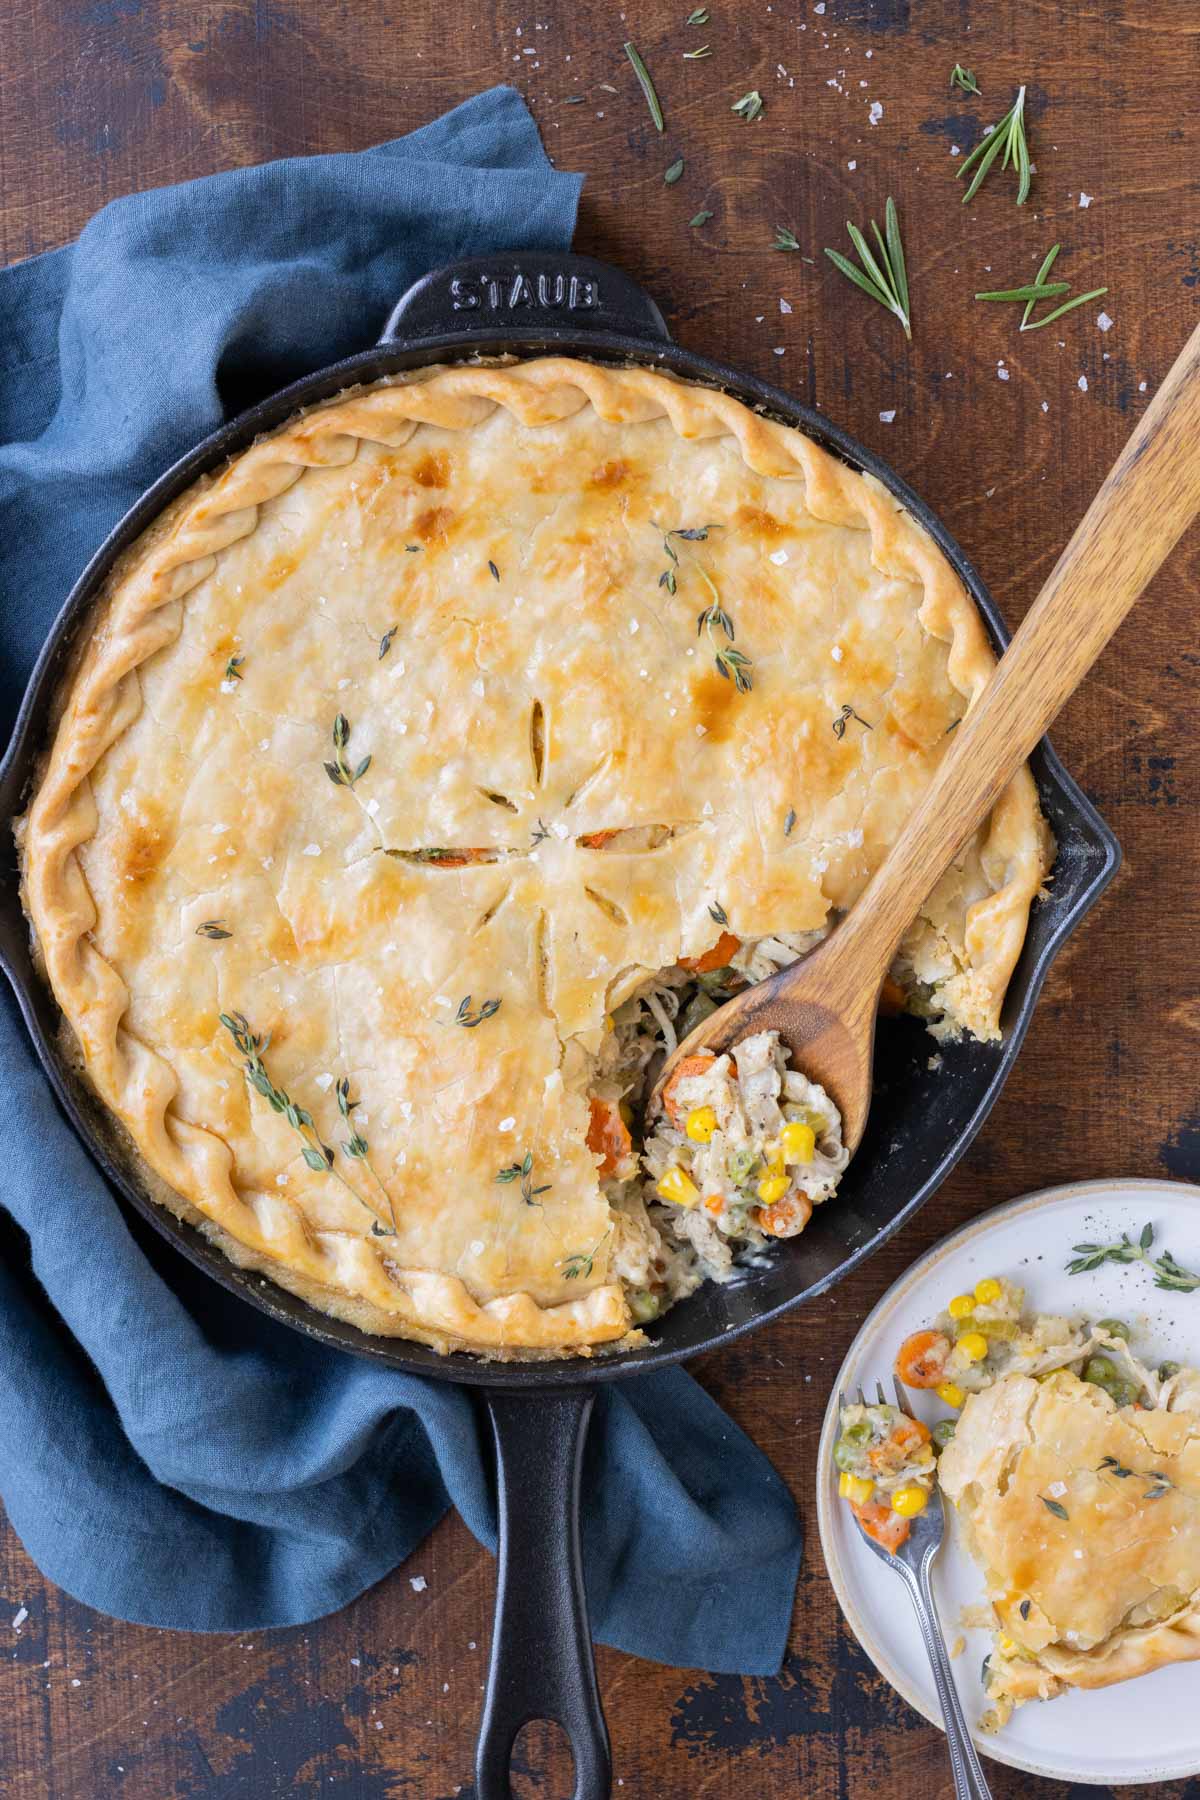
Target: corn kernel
x=772 y=1188
x=678 y=1188
x=988 y=1291
x=856 y=1488
x=973 y=1345
x=909 y=1501
x=962 y=1306
x=701 y=1124
x=775 y=1162
x=949 y=1393
x=714 y=1204
x=1006 y=1645
x=610 y=1024
x=799 y=1142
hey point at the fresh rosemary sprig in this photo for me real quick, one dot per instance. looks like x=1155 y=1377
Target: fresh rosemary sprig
x=1032 y=292
x=671 y=175
x=843 y=719
x=695 y=55
x=316 y=1153
x=885 y=280
x=699 y=17
x=339 y=771
x=1066 y=307
x=523 y=1172
x=213 y=928
x=646 y=85
x=1041 y=289
x=385 y=642
x=1168 y=1273
x=785 y=239
x=464 y=1016
x=1007 y=136
x=749 y=106
x=964 y=79
x=233 y=668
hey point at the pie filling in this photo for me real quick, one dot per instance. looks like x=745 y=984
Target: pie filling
x=1074 y=1467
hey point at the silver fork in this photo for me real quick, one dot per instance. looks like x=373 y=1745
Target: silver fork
x=912 y=1562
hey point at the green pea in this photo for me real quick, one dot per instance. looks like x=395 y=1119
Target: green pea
x=1101 y=1370
x=1115 y=1328
x=858 y=1433
x=845 y=1455
x=943 y=1431
x=714 y=981
x=1125 y=1392
x=699 y=1008
x=1168 y=1369
x=644 y=1305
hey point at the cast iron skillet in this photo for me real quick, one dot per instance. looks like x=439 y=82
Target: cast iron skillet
x=921 y=1120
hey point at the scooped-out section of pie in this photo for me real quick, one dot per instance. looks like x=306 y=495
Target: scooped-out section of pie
x=437 y=764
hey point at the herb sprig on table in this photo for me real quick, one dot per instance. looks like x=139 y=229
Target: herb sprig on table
x=964 y=79
x=1168 y=1274
x=885 y=279
x=1042 y=289
x=646 y=85
x=1007 y=135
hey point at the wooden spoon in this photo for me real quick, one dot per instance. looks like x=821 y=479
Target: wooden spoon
x=824 y=1006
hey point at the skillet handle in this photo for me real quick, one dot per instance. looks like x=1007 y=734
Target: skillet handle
x=529 y=293
x=542 y=1666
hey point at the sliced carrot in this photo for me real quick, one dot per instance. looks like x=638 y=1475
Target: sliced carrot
x=726 y=946
x=906 y=1436
x=457 y=859
x=881 y=1523
x=892 y=998
x=921 y=1359
x=715 y=1205
x=608 y=1135
x=787 y=1218
x=684 y=1068
x=596 y=840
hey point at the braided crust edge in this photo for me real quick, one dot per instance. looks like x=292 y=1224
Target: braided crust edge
x=142 y=612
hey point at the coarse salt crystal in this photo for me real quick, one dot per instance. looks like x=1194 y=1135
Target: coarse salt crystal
x=230 y=687
x=19 y=1618
x=837 y=653
x=1083 y=384
x=324 y=1082
x=312 y=849
x=441 y=1000
x=1141 y=387
x=885 y=418
x=1002 y=373
x=1045 y=406
x=506 y=1124
x=779 y=557
x=852 y=165
x=344 y=683
x=634 y=628
x=1104 y=322
x=875 y=113
x=372 y=807
x=417 y=1583
x=1085 y=199
x=1056 y=1488
x=784 y=307
x=778 y=350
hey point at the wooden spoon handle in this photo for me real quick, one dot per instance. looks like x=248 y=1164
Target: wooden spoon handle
x=1152 y=493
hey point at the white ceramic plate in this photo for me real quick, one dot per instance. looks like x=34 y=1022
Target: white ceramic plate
x=1146 y=1730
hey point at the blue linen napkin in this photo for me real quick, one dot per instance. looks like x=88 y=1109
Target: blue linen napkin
x=167 y=1454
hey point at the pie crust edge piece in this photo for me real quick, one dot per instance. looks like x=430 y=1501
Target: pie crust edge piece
x=189 y=1165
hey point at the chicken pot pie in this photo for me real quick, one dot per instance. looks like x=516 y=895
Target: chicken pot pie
x=1075 y=1471
x=430 y=764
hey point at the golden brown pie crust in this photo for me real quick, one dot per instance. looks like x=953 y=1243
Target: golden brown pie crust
x=502 y=528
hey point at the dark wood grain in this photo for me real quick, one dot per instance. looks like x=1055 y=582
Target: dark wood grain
x=98 y=97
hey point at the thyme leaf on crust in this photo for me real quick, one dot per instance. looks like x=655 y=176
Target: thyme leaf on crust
x=316 y=1153
x=579 y=1266
x=717 y=911
x=523 y=1172
x=339 y=770
x=465 y=1017
x=233 y=669
x=1060 y=1512
x=385 y=642
x=213 y=928
x=843 y=719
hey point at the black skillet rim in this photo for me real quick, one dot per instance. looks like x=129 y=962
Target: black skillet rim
x=444 y=339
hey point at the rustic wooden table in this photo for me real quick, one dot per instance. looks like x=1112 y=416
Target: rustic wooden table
x=1006 y=437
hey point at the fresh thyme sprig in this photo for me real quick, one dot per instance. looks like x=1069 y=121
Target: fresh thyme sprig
x=964 y=79
x=785 y=239
x=1163 y=1483
x=646 y=85
x=464 y=1016
x=233 y=668
x=339 y=771
x=749 y=106
x=731 y=663
x=213 y=928
x=1008 y=135
x=579 y=1266
x=843 y=719
x=541 y=832
x=1168 y=1273
x=885 y=280
x=316 y=1153
x=523 y=1172
x=356 y=1148
x=692 y=534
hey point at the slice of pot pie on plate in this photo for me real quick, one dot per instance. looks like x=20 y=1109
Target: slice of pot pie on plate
x=431 y=767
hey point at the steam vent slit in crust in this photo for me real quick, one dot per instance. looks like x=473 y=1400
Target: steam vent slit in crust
x=436 y=761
